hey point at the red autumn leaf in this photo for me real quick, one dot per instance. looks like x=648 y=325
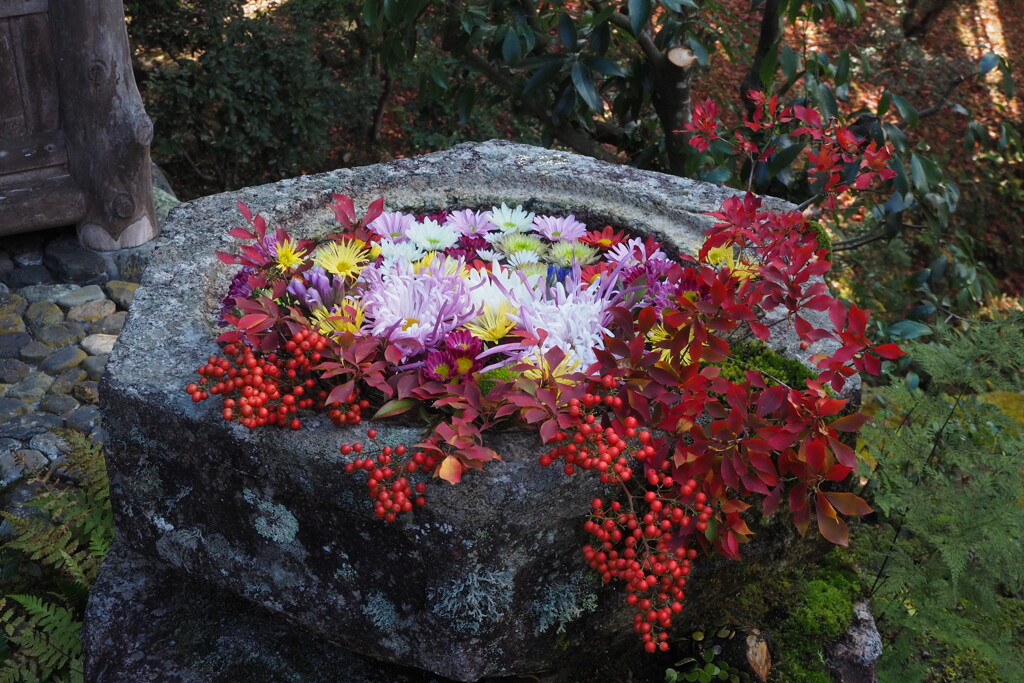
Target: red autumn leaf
x=245 y=211
x=849 y=504
x=829 y=524
x=760 y=331
x=889 y=351
x=850 y=423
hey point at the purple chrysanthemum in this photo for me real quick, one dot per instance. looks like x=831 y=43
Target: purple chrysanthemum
x=559 y=229
x=239 y=287
x=470 y=223
x=392 y=225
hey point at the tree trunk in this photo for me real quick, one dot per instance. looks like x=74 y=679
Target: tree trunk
x=108 y=132
x=671 y=102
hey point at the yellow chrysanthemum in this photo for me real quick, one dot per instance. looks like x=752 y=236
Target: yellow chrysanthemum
x=340 y=319
x=724 y=256
x=288 y=255
x=345 y=258
x=493 y=324
x=658 y=333
x=552 y=377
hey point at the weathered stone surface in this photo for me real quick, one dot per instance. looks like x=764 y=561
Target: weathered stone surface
x=182 y=630
x=67 y=379
x=43 y=313
x=267 y=516
x=71 y=263
x=68 y=357
x=28 y=276
x=11 y=323
x=58 y=404
x=99 y=344
x=11 y=407
x=12 y=343
x=47 y=292
x=122 y=293
x=92 y=311
x=853 y=657
x=35 y=351
x=12 y=370
x=80 y=295
x=30 y=459
x=26 y=426
x=84 y=419
x=112 y=324
x=61 y=334
x=49 y=444
x=32 y=388
x=94 y=365
x=12 y=304
x=87 y=392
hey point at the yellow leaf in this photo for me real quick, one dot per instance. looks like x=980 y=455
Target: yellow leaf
x=451 y=469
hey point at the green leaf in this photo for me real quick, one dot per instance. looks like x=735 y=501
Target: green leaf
x=917 y=173
x=988 y=61
x=583 y=80
x=395 y=407
x=639 y=14
x=908 y=329
x=907 y=110
x=699 y=50
x=843 y=68
x=677 y=5
x=544 y=74
x=784 y=158
x=603 y=66
x=768 y=66
x=883 y=103
x=790 y=62
x=567 y=32
x=865 y=63
x=510 y=48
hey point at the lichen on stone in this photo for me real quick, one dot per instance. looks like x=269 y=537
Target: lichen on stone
x=380 y=610
x=275 y=521
x=474 y=601
x=561 y=603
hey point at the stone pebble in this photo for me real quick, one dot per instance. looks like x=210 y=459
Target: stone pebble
x=61 y=310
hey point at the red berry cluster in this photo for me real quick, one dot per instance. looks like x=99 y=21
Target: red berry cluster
x=643 y=540
x=391 y=492
x=270 y=390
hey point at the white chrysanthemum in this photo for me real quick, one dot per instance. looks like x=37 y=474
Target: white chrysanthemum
x=490 y=255
x=430 y=235
x=521 y=258
x=395 y=252
x=491 y=287
x=511 y=220
x=573 y=322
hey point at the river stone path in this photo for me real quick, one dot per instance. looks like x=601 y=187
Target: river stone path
x=61 y=310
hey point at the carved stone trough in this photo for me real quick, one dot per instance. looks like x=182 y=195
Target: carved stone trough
x=487 y=580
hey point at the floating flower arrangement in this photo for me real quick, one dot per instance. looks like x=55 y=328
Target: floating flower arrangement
x=615 y=352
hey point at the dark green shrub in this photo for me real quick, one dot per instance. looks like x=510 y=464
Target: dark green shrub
x=235 y=99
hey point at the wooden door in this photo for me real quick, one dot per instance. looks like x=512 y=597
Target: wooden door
x=36 y=190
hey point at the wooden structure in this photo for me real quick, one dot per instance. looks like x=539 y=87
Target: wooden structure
x=74 y=137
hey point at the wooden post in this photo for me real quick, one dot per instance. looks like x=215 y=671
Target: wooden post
x=107 y=130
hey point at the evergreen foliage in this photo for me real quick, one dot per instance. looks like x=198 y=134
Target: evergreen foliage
x=52 y=560
x=948 y=485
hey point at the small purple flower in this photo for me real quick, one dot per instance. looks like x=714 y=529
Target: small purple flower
x=471 y=223
x=239 y=287
x=315 y=289
x=392 y=225
x=561 y=229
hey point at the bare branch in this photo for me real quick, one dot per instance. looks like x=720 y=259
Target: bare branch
x=650 y=50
